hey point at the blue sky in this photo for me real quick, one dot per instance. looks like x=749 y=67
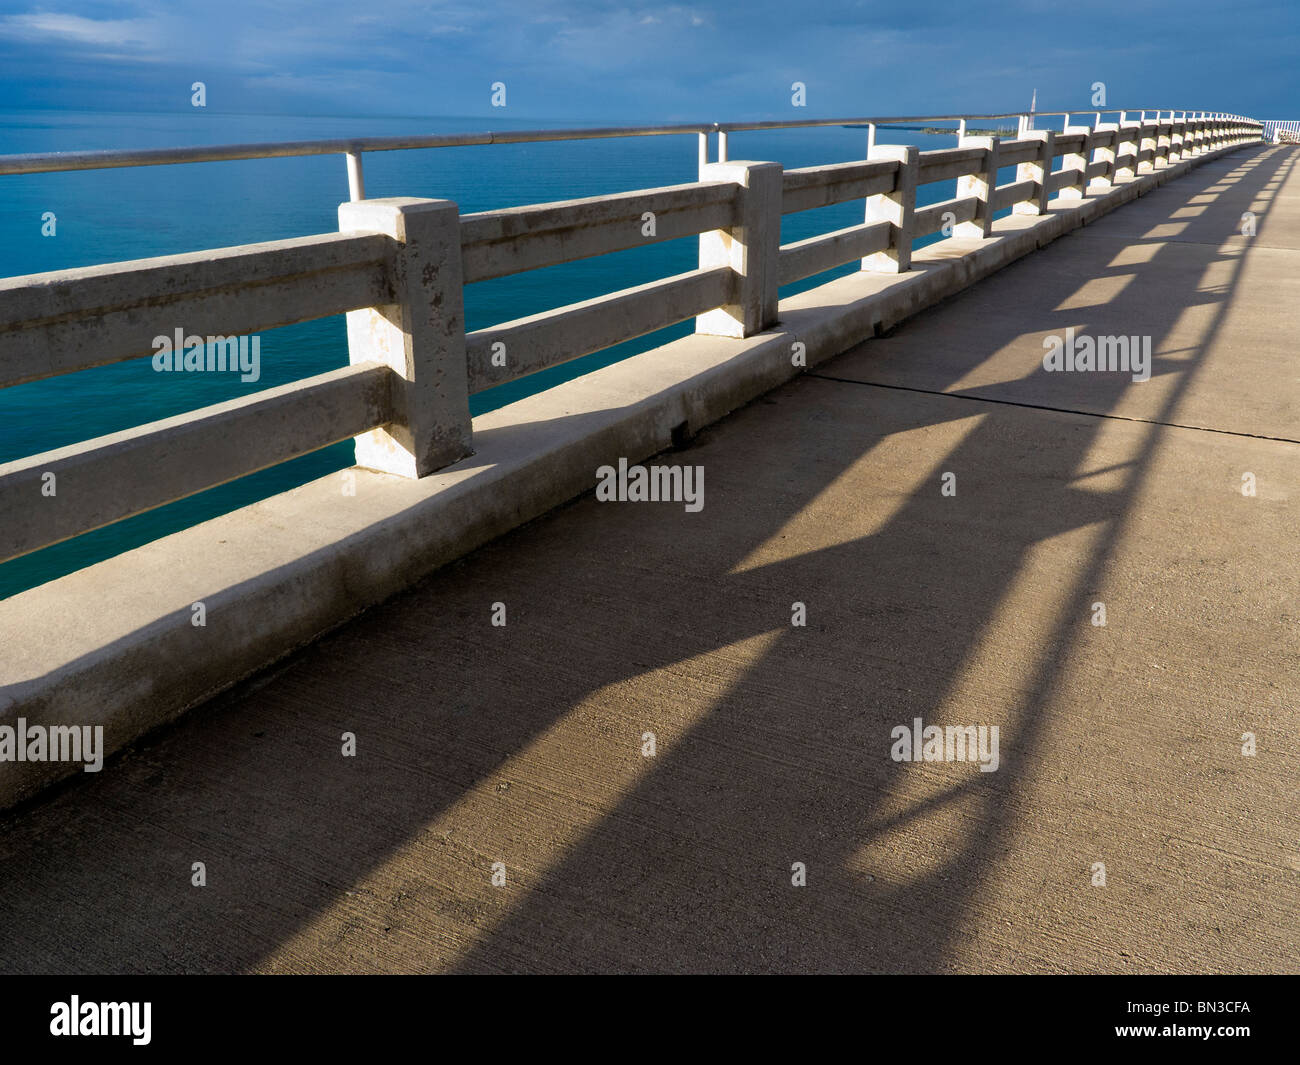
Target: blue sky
x=582 y=60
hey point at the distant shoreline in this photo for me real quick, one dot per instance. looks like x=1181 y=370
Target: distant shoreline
x=970 y=130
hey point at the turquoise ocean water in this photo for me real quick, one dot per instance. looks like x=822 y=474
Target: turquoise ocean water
x=108 y=216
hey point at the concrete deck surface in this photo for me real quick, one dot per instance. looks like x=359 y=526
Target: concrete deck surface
x=523 y=744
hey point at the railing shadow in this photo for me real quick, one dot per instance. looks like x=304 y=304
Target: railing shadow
x=689 y=868
x=756 y=809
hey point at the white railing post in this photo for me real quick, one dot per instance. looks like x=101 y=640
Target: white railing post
x=898 y=208
x=1175 y=138
x=981 y=184
x=1076 y=162
x=751 y=247
x=420 y=336
x=356 y=178
x=1147 y=136
x=1037 y=170
x=1129 y=138
x=1107 y=153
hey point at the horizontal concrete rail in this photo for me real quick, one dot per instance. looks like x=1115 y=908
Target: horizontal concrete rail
x=515 y=349
x=1060 y=179
x=804 y=258
x=931 y=219
x=820 y=186
x=944 y=164
x=113 y=477
x=57 y=323
x=1014 y=193
x=511 y=241
x=1012 y=152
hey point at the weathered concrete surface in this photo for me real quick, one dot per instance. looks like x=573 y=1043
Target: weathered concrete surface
x=1221 y=309
x=522 y=744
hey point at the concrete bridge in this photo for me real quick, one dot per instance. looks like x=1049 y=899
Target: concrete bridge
x=681 y=750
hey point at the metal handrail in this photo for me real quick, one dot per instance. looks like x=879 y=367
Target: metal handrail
x=893 y=120
x=116 y=157
x=354 y=147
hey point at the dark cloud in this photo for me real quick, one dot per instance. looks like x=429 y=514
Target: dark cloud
x=580 y=60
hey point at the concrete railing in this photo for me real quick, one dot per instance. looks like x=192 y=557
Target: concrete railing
x=398 y=269
x=431 y=482
x=1281 y=131
x=58 y=323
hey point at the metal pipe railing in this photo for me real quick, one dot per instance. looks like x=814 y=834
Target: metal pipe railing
x=895 y=120
x=98 y=160
x=353 y=148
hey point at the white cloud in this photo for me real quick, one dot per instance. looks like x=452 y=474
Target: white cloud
x=78 y=30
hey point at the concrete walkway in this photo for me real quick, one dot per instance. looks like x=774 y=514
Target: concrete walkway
x=522 y=745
